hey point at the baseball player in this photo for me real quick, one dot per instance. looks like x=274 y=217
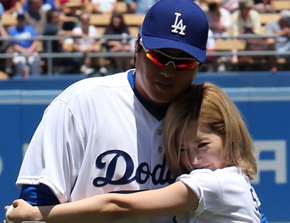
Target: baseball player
x=105 y=134
x=209 y=149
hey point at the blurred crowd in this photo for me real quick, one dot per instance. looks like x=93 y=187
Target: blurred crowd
x=70 y=20
x=242 y=21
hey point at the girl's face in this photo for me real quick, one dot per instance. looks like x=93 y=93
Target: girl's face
x=200 y=150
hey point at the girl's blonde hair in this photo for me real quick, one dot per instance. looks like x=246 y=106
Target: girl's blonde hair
x=212 y=110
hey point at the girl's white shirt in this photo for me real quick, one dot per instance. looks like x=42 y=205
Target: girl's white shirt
x=225 y=195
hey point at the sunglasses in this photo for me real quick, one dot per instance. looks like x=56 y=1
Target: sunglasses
x=162 y=59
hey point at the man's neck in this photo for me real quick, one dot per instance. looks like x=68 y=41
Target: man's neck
x=158 y=111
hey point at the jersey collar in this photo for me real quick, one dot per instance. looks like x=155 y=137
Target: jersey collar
x=158 y=111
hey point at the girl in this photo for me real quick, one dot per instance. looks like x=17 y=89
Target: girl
x=210 y=150
x=118 y=26
x=219 y=19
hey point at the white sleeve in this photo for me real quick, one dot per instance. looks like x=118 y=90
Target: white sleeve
x=225 y=195
x=207 y=188
x=58 y=145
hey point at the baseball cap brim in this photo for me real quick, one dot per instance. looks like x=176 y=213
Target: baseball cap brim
x=151 y=42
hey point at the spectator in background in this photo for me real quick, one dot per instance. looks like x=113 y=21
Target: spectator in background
x=71 y=11
x=3 y=33
x=46 y=5
x=35 y=16
x=139 y=6
x=245 y=16
x=219 y=19
x=264 y=6
x=9 y=6
x=281 y=43
x=88 y=44
x=253 y=43
x=5 y=46
x=53 y=28
x=24 y=49
x=230 y=5
x=117 y=26
x=103 y=6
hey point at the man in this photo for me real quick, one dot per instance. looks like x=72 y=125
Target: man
x=46 y=5
x=5 y=45
x=245 y=16
x=105 y=134
x=35 y=16
x=25 y=49
x=282 y=42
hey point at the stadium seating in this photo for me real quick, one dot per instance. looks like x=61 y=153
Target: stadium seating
x=281 y=4
x=134 y=21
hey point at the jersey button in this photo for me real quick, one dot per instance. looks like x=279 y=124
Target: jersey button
x=160 y=132
x=160 y=149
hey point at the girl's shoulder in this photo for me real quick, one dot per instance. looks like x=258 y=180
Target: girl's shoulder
x=220 y=176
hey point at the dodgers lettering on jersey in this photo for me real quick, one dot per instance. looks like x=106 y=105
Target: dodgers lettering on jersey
x=159 y=174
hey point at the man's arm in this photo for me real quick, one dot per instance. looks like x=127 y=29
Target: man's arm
x=38 y=195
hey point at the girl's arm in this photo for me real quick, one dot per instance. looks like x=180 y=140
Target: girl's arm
x=170 y=200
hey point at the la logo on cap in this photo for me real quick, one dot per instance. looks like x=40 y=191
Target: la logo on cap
x=178 y=25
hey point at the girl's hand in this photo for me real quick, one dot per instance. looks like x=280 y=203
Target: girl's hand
x=22 y=211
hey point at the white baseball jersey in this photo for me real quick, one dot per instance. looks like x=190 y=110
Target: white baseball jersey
x=225 y=195
x=96 y=137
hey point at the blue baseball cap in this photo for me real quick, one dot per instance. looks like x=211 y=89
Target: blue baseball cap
x=176 y=24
